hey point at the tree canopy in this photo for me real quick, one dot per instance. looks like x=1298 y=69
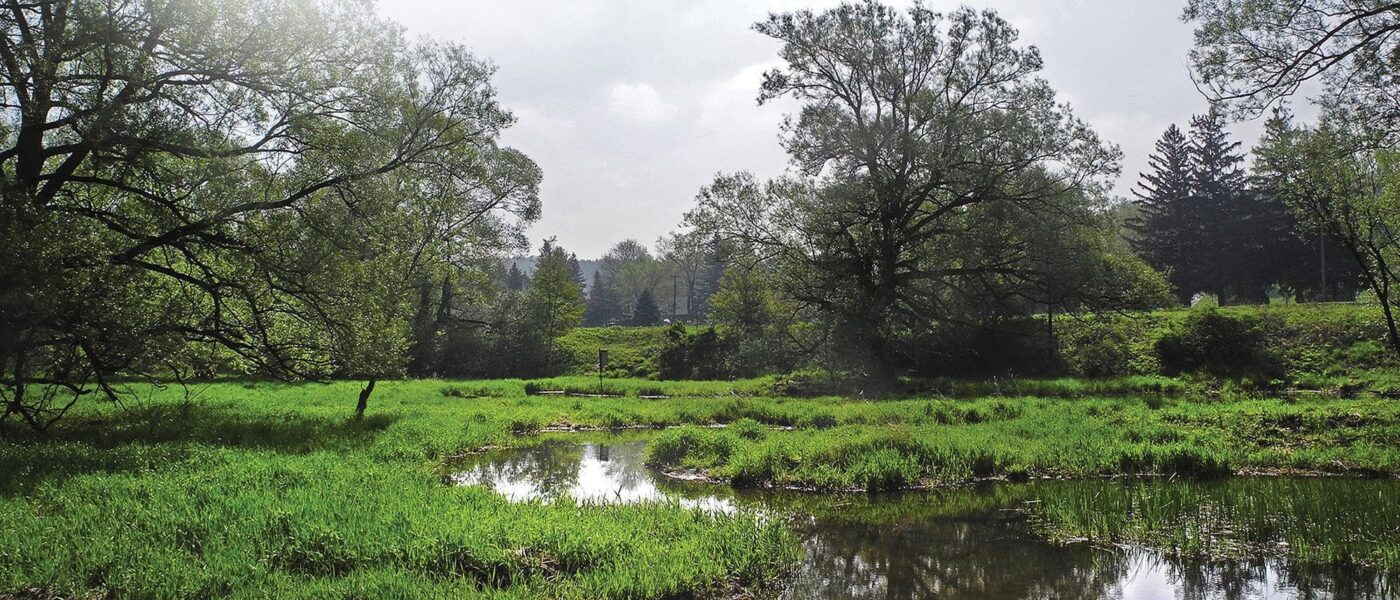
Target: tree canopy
x=261 y=179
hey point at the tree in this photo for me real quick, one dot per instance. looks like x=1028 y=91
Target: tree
x=605 y=304
x=644 y=311
x=1253 y=53
x=630 y=268
x=1335 y=182
x=516 y=280
x=269 y=181
x=576 y=272
x=754 y=320
x=1163 y=224
x=1219 y=217
x=554 y=303
x=684 y=255
x=1310 y=262
x=913 y=125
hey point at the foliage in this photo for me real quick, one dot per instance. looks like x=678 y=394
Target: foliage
x=1253 y=53
x=699 y=354
x=1219 y=344
x=922 y=136
x=1334 y=183
x=644 y=310
x=258 y=186
x=554 y=303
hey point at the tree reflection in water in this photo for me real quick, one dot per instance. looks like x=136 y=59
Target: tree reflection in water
x=968 y=543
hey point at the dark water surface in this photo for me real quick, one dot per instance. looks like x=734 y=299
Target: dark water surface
x=972 y=543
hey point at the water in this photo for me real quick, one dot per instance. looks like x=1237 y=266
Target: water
x=972 y=543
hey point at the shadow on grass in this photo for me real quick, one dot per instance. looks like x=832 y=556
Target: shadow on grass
x=158 y=436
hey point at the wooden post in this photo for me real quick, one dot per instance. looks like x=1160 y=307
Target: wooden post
x=602 y=366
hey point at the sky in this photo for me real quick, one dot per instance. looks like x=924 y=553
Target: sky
x=631 y=106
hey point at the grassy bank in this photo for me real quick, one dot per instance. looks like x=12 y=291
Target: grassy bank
x=271 y=491
x=1337 y=347
x=940 y=442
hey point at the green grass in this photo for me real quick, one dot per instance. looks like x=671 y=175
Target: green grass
x=1339 y=348
x=632 y=351
x=271 y=491
x=894 y=445
x=1313 y=521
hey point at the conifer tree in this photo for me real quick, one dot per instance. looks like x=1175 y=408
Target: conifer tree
x=644 y=312
x=1164 y=198
x=1221 y=226
x=516 y=279
x=604 y=302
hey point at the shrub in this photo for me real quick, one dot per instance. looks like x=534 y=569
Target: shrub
x=1219 y=344
x=1101 y=347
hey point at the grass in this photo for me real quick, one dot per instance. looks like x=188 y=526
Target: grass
x=271 y=491
x=1311 y=521
x=896 y=445
x=1338 y=348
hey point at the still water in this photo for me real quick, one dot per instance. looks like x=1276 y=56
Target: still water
x=973 y=543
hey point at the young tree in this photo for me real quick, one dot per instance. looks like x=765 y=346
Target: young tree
x=644 y=311
x=913 y=124
x=554 y=303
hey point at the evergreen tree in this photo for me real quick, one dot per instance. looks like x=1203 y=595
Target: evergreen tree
x=1162 y=227
x=604 y=302
x=708 y=280
x=1222 y=223
x=577 y=271
x=515 y=279
x=644 y=312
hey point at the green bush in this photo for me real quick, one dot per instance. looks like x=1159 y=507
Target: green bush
x=1104 y=347
x=1220 y=344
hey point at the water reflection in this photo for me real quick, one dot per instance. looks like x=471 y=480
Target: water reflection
x=970 y=543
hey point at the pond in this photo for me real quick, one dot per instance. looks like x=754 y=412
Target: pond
x=988 y=541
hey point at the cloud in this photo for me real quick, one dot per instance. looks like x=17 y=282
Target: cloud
x=641 y=102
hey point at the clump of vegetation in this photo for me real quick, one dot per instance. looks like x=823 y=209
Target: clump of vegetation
x=1219 y=344
x=233 y=495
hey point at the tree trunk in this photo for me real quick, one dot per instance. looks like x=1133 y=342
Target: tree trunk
x=364 y=398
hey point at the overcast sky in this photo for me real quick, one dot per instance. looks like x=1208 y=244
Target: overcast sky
x=630 y=106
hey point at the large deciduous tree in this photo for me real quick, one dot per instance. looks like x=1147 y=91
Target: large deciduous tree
x=266 y=178
x=915 y=128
